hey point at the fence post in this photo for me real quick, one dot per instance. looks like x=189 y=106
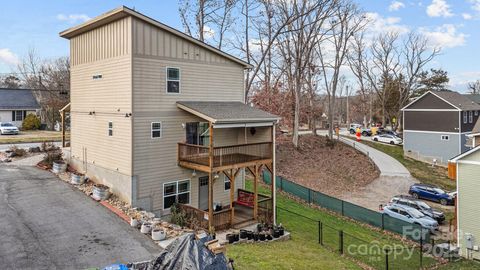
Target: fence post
x=281 y=183
x=320 y=232
x=387 y=250
x=340 y=236
x=421 y=248
x=383 y=221
x=342 y=208
x=309 y=196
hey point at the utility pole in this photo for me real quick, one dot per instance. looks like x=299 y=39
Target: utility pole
x=348 y=108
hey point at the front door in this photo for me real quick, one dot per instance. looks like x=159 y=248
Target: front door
x=203 y=193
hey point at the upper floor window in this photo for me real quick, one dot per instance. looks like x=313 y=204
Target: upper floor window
x=110 y=128
x=173 y=80
x=156 y=130
x=476 y=113
x=445 y=138
x=470 y=116
x=465 y=117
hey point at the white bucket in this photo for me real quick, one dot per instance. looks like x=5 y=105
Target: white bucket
x=159 y=235
x=133 y=222
x=145 y=228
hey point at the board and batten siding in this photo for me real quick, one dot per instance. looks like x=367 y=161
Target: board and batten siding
x=149 y=40
x=105 y=42
x=468 y=189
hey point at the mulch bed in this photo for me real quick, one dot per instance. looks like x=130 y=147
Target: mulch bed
x=320 y=167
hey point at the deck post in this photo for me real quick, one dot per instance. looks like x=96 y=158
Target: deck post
x=63 y=129
x=274 y=179
x=210 y=178
x=255 y=192
x=232 y=196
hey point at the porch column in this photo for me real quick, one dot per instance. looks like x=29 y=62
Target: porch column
x=255 y=192
x=232 y=196
x=274 y=179
x=210 y=178
x=63 y=128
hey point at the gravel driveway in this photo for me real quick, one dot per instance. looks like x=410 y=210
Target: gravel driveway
x=47 y=224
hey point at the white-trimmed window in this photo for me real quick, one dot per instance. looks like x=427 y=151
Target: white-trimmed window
x=156 y=130
x=110 y=128
x=173 y=80
x=19 y=115
x=470 y=116
x=445 y=137
x=227 y=183
x=476 y=113
x=177 y=191
x=465 y=117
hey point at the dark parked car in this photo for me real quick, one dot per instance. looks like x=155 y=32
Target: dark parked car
x=432 y=193
x=420 y=206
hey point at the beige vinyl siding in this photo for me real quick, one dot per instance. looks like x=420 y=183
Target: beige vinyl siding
x=468 y=189
x=108 y=41
x=110 y=99
x=152 y=41
x=203 y=76
x=197 y=82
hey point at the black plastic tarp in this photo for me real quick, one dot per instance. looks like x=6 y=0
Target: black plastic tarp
x=185 y=253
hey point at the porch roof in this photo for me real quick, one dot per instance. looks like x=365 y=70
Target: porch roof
x=227 y=112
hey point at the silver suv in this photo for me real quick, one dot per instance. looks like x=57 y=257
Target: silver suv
x=410 y=215
x=421 y=206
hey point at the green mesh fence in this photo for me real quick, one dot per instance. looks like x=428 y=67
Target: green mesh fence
x=377 y=219
x=326 y=201
x=362 y=214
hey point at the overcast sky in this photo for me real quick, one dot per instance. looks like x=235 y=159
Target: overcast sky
x=451 y=24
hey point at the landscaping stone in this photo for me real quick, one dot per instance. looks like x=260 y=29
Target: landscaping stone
x=34 y=149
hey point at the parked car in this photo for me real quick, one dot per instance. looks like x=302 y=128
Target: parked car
x=364 y=131
x=8 y=128
x=388 y=132
x=353 y=128
x=432 y=193
x=421 y=206
x=385 y=138
x=410 y=215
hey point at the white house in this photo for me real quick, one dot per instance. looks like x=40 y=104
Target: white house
x=16 y=104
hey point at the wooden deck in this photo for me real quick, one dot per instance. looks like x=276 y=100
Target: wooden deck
x=224 y=157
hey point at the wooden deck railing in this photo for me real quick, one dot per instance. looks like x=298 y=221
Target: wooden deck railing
x=225 y=155
x=197 y=218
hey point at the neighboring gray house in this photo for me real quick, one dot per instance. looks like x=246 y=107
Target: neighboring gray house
x=436 y=125
x=16 y=104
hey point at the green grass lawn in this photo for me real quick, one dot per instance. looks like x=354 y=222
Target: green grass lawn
x=461 y=265
x=303 y=250
x=424 y=172
x=32 y=136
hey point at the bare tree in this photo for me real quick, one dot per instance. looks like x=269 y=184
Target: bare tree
x=346 y=21
x=474 y=87
x=50 y=81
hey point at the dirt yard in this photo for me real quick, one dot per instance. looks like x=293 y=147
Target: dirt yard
x=333 y=171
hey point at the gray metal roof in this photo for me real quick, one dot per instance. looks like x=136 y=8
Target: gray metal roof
x=226 y=111
x=17 y=99
x=458 y=100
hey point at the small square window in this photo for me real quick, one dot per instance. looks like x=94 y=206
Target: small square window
x=156 y=130
x=173 y=80
x=465 y=117
x=170 y=189
x=227 y=183
x=110 y=128
x=470 y=116
x=476 y=113
x=445 y=137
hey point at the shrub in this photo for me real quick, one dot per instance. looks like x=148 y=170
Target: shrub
x=31 y=122
x=52 y=156
x=19 y=152
x=177 y=215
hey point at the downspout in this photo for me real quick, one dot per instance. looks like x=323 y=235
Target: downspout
x=274 y=179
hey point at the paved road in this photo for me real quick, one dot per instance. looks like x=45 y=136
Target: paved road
x=47 y=224
x=4 y=147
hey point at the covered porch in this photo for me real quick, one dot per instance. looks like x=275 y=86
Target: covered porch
x=222 y=155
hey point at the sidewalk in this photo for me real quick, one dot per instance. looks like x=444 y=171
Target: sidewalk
x=387 y=165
